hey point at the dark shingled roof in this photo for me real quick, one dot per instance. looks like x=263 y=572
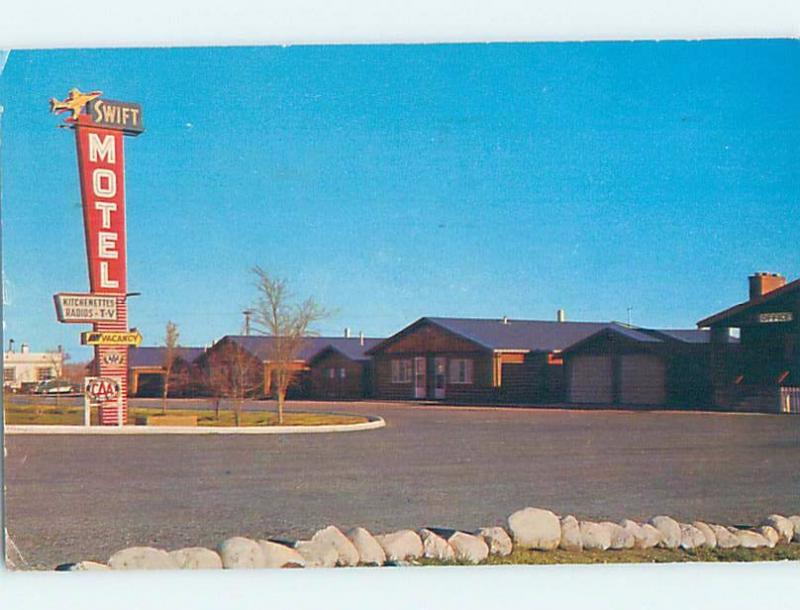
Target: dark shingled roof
x=534 y=335
x=688 y=335
x=549 y=336
x=349 y=346
x=154 y=356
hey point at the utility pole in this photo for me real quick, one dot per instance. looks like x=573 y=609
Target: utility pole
x=247 y=313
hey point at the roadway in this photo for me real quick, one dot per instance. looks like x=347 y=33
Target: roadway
x=83 y=497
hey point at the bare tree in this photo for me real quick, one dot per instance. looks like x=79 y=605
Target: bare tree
x=74 y=372
x=289 y=323
x=234 y=374
x=171 y=347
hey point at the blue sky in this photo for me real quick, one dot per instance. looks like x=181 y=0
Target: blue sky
x=393 y=182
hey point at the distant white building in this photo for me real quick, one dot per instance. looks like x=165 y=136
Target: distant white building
x=26 y=366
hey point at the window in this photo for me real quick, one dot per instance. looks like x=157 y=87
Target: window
x=342 y=373
x=9 y=374
x=461 y=370
x=330 y=373
x=44 y=373
x=401 y=371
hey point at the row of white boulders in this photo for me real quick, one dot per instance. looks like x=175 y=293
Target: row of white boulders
x=543 y=530
x=530 y=528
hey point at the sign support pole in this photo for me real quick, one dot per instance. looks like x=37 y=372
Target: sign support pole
x=87 y=410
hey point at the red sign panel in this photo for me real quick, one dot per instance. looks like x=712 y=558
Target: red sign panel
x=102 y=176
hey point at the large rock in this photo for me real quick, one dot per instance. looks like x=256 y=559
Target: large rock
x=196 y=558
x=535 y=528
x=644 y=536
x=241 y=553
x=570 y=534
x=751 y=540
x=141 y=558
x=401 y=545
x=691 y=537
x=369 y=551
x=725 y=538
x=621 y=538
x=468 y=548
x=332 y=535
x=670 y=531
x=277 y=555
x=595 y=536
x=795 y=519
x=772 y=537
x=436 y=547
x=498 y=540
x=317 y=554
x=782 y=525
x=708 y=533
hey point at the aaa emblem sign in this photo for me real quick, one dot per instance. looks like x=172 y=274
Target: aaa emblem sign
x=102 y=390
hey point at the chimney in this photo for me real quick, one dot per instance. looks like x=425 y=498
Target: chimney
x=361 y=338
x=346 y=333
x=561 y=315
x=504 y=320
x=11 y=345
x=762 y=283
x=24 y=349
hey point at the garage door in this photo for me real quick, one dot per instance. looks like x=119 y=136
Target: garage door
x=642 y=380
x=590 y=379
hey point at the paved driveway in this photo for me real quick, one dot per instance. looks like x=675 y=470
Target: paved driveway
x=81 y=497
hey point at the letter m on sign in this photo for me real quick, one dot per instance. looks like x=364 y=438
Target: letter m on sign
x=104 y=150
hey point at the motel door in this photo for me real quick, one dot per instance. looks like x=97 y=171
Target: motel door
x=419 y=377
x=440 y=378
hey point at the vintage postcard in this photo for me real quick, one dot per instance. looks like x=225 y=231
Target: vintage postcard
x=401 y=305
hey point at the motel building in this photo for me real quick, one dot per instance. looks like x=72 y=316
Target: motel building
x=325 y=368
x=761 y=373
x=27 y=368
x=146 y=370
x=542 y=362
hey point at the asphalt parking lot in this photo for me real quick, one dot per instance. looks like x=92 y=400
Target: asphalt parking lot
x=83 y=497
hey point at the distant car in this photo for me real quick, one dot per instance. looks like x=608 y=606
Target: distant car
x=54 y=386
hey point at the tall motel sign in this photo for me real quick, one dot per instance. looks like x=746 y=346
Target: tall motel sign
x=100 y=125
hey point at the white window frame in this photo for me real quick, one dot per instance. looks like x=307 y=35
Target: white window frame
x=45 y=373
x=462 y=371
x=342 y=373
x=401 y=370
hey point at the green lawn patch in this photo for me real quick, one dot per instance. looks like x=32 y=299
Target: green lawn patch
x=38 y=414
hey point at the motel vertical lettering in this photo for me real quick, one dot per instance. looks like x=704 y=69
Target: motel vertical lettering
x=102 y=175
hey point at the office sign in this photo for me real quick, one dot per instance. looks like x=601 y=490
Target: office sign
x=775 y=317
x=85 y=308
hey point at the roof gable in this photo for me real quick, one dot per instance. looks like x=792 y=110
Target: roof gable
x=727 y=315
